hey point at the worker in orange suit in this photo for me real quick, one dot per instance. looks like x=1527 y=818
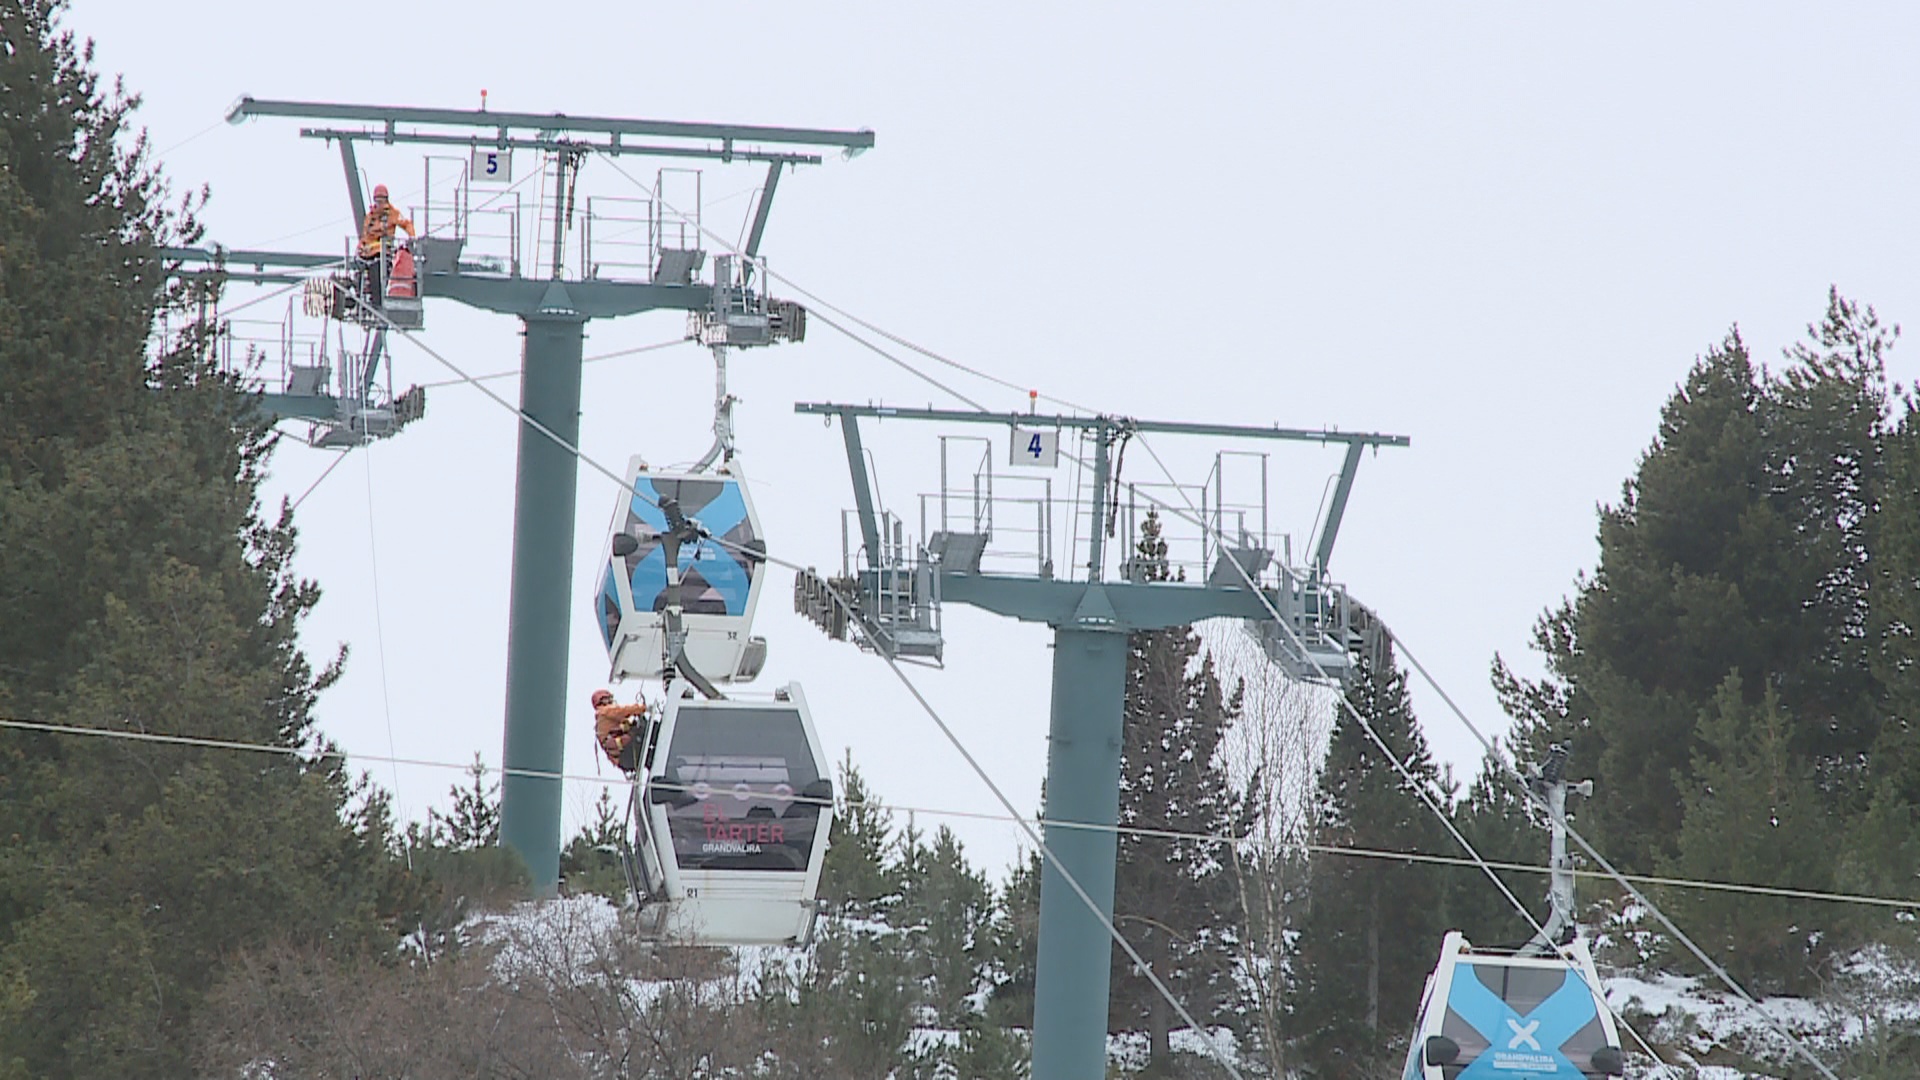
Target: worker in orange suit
x=614 y=728
x=376 y=236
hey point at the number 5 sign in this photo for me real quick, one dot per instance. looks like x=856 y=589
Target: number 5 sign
x=1032 y=446
x=491 y=166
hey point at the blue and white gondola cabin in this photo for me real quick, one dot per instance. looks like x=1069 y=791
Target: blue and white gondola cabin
x=720 y=578
x=1508 y=1016
x=733 y=821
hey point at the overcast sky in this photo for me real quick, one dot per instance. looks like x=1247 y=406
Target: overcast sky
x=1505 y=231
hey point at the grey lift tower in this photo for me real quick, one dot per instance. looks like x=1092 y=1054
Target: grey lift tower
x=896 y=590
x=553 y=296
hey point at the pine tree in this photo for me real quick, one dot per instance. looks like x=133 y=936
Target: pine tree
x=852 y=1006
x=1742 y=543
x=1895 y=607
x=1754 y=812
x=946 y=921
x=854 y=879
x=590 y=863
x=849 y=1010
x=913 y=940
x=1275 y=752
x=1372 y=926
x=1883 y=843
x=1017 y=933
x=1175 y=900
x=144 y=591
x=1663 y=617
x=461 y=865
x=1500 y=822
x=474 y=820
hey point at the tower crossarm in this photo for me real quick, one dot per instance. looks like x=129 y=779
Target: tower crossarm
x=521 y=142
x=1094 y=423
x=405 y=124
x=267 y=267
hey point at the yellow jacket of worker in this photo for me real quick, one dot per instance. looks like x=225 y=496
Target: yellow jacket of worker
x=380 y=223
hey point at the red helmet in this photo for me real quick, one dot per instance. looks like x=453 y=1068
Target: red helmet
x=380 y=191
x=602 y=697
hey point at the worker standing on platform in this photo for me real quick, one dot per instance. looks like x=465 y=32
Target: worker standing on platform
x=615 y=730
x=376 y=236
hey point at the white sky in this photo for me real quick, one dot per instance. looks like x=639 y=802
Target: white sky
x=1502 y=230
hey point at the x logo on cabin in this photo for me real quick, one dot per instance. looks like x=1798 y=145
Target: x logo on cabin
x=715 y=579
x=1523 y=1035
x=1521 y=1046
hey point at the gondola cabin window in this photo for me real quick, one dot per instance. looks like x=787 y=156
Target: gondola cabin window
x=742 y=771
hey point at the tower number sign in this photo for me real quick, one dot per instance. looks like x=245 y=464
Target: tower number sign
x=1035 y=446
x=491 y=166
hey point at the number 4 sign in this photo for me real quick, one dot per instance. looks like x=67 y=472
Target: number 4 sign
x=1033 y=446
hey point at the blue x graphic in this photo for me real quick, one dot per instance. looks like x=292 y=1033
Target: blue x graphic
x=1523 y=1047
x=721 y=569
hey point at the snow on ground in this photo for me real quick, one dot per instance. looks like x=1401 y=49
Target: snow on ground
x=1873 y=989
x=1131 y=1050
x=585 y=937
x=1689 y=1017
x=534 y=938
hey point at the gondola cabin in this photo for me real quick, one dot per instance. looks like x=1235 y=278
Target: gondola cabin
x=1514 y=1017
x=733 y=816
x=720 y=576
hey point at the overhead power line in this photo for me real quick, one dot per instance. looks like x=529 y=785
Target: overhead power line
x=307 y=754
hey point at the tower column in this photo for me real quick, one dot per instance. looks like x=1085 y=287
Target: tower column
x=541 y=594
x=1083 y=785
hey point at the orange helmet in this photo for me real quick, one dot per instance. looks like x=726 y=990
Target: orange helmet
x=602 y=697
x=379 y=191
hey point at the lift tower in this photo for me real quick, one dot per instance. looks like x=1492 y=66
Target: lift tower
x=895 y=589
x=554 y=297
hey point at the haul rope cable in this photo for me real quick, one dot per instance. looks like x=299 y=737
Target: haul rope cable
x=900 y=673
x=921 y=349
x=617 y=353
x=1193 y=515
x=1639 y=897
x=1008 y=805
x=896 y=361
x=1509 y=769
x=1585 y=845
x=1113 y=932
x=337 y=459
x=850 y=316
x=1598 y=993
x=1146 y=832
x=209 y=129
x=893 y=665
x=1720 y=972
x=900 y=363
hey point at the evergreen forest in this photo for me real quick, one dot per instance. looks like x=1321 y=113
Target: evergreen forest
x=1739 y=668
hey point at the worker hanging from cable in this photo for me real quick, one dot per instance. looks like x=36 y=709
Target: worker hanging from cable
x=616 y=729
x=376 y=243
